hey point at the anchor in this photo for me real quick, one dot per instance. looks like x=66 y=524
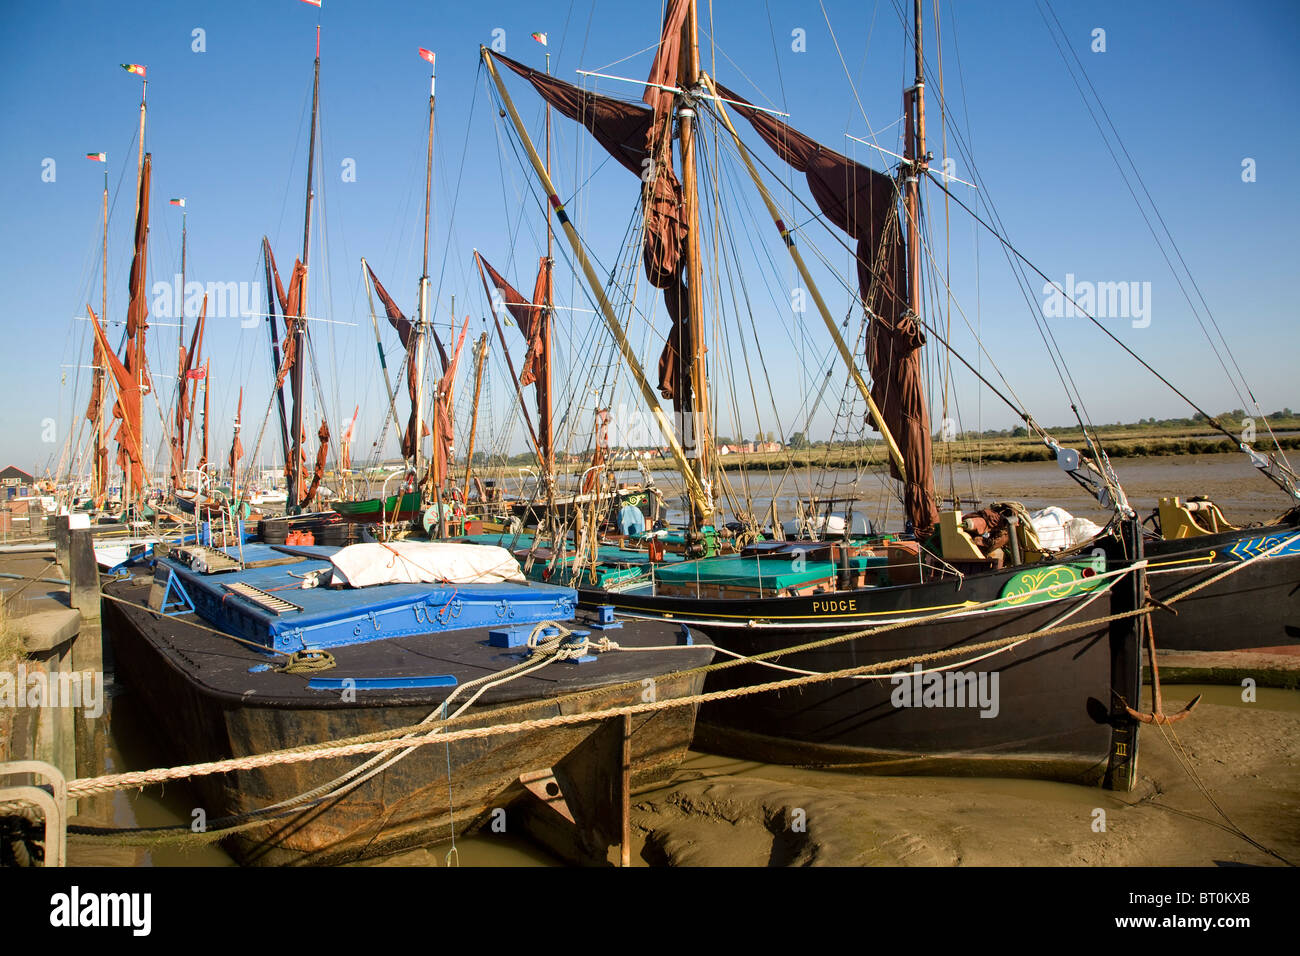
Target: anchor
x=1158 y=715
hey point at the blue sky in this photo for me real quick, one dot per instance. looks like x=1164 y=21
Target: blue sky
x=1193 y=88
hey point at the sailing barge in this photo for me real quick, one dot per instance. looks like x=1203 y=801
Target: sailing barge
x=402 y=654
x=1040 y=633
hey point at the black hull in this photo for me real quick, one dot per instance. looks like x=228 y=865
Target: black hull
x=1054 y=694
x=1256 y=607
x=188 y=679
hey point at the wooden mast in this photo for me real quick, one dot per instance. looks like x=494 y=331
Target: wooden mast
x=919 y=161
x=480 y=353
x=422 y=318
x=695 y=437
x=129 y=494
x=97 y=477
x=300 y=330
x=545 y=430
x=178 y=436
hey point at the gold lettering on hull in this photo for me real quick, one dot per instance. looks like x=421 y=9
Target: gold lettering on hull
x=832 y=607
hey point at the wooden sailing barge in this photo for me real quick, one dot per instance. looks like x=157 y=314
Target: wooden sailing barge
x=1065 y=669
x=402 y=654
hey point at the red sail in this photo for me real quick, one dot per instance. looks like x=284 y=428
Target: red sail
x=443 y=447
x=640 y=139
x=620 y=127
x=324 y=435
x=126 y=409
x=527 y=314
x=405 y=331
x=291 y=304
x=187 y=373
x=863 y=203
x=99 y=460
x=203 y=451
x=138 y=310
x=236 y=446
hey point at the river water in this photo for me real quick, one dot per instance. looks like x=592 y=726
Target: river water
x=1240 y=491
x=1228 y=479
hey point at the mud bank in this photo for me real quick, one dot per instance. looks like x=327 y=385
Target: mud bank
x=723 y=812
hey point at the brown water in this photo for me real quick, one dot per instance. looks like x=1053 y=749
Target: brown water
x=1240 y=491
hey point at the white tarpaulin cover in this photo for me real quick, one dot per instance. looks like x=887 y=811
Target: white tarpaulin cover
x=422 y=562
x=1057 y=529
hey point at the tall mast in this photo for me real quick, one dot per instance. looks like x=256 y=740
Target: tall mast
x=422 y=318
x=139 y=162
x=300 y=330
x=914 y=108
x=137 y=358
x=480 y=353
x=545 y=428
x=98 y=478
x=697 y=403
x=178 y=437
x=181 y=339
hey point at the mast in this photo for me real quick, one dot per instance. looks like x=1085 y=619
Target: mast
x=138 y=354
x=300 y=330
x=480 y=353
x=97 y=476
x=545 y=429
x=422 y=317
x=914 y=109
x=697 y=439
x=178 y=436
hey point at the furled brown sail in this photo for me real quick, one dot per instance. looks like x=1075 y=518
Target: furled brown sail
x=863 y=203
x=188 y=358
x=527 y=315
x=444 y=446
x=99 y=460
x=640 y=140
x=127 y=407
x=404 y=332
x=236 y=446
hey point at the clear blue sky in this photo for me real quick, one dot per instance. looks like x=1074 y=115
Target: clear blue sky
x=1193 y=87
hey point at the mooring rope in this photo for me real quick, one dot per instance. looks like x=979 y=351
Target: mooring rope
x=383 y=741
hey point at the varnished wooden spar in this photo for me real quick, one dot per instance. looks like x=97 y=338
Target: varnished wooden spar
x=295 y=501
x=480 y=354
x=688 y=77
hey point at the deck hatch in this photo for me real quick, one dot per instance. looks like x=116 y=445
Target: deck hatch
x=263 y=599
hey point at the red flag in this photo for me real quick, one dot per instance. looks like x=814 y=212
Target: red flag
x=314 y=3
x=197 y=373
x=426 y=55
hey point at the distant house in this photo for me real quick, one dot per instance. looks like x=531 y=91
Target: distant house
x=15 y=476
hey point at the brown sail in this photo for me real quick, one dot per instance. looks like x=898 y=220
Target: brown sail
x=127 y=407
x=188 y=358
x=99 y=459
x=863 y=203
x=640 y=140
x=527 y=314
x=442 y=407
x=236 y=446
x=404 y=331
